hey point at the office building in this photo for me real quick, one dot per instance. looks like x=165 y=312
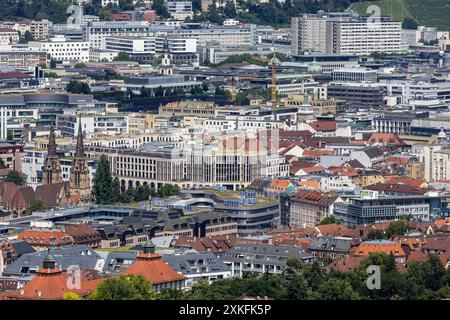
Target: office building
x=344 y=33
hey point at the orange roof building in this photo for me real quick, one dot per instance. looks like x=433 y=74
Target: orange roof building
x=51 y=283
x=384 y=246
x=151 y=266
x=41 y=239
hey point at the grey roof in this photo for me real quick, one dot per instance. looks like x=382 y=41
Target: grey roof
x=22 y=247
x=373 y=152
x=198 y=263
x=80 y=255
x=265 y=253
x=118 y=261
x=337 y=244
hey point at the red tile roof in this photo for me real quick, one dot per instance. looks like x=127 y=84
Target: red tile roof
x=51 y=284
x=323 y=125
x=40 y=237
x=154 y=269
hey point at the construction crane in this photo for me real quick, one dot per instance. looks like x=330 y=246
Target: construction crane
x=274 y=61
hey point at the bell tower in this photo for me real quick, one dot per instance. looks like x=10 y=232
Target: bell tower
x=52 y=165
x=80 y=184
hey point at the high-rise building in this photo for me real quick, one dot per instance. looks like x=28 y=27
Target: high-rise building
x=344 y=33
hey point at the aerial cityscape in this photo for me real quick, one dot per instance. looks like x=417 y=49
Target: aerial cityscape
x=242 y=150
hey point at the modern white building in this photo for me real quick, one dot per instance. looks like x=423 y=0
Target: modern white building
x=58 y=48
x=345 y=33
x=150 y=45
x=180 y=9
x=93 y=124
x=98 y=31
x=354 y=75
x=40 y=29
x=97 y=55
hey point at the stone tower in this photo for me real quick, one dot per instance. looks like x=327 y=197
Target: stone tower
x=80 y=184
x=52 y=165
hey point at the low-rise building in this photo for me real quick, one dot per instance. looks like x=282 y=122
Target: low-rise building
x=262 y=258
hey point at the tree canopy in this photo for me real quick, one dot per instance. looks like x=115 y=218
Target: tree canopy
x=103 y=183
x=16 y=177
x=124 y=287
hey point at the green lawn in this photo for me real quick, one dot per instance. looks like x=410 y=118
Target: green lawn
x=431 y=13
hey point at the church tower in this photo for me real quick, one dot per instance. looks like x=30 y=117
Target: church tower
x=80 y=184
x=52 y=165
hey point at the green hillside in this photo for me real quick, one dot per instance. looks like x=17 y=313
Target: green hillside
x=392 y=8
x=433 y=13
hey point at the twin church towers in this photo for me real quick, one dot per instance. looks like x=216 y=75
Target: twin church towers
x=79 y=185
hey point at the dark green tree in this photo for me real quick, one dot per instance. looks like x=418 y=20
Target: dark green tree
x=103 y=189
x=35 y=205
x=409 y=23
x=75 y=86
x=328 y=220
x=375 y=235
x=16 y=177
x=335 y=289
x=116 y=196
x=397 y=228
x=125 y=287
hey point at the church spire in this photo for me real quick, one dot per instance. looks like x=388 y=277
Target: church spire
x=51 y=150
x=79 y=153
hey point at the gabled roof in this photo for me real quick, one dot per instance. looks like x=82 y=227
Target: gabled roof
x=278 y=183
x=323 y=125
x=373 y=152
x=389 y=247
x=49 y=194
x=397 y=188
x=417 y=183
x=313 y=197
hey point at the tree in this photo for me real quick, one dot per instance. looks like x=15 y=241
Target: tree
x=115 y=188
x=168 y=190
x=2 y=164
x=335 y=289
x=75 y=86
x=159 y=92
x=52 y=63
x=27 y=36
x=230 y=10
x=125 y=287
x=434 y=276
x=103 y=189
x=328 y=220
x=123 y=56
x=35 y=205
x=128 y=195
x=71 y=296
x=397 y=228
x=375 y=235
x=160 y=9
x=16 y=177
x=80 y=65
x=409 y=23
x=142 y=193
